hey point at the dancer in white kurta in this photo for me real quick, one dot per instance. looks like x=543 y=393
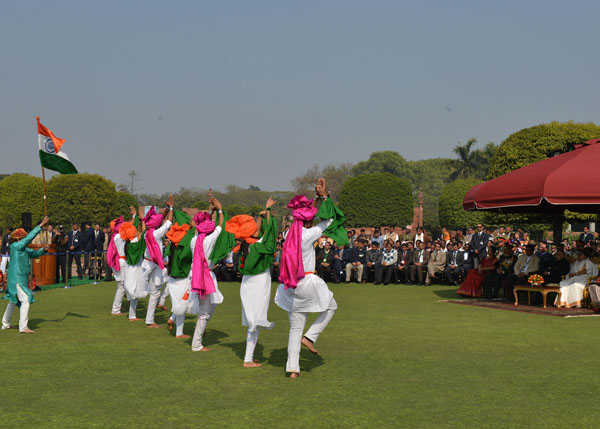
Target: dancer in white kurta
x=571 y=288
x=204 y=287
x=302 y=291
x=256 y=258
x=117 y=261
x=179 y=270
x=153 y=264
x=134 y=252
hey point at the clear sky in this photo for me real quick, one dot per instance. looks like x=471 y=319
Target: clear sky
x=210 y=93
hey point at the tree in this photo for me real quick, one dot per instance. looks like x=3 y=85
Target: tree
x=122 y=203
x=334 y=175
x=82 y=197
x=376 y=199
x=473 y=162
x=533 y=144
x=384 y=162
x=451 y=212
x=253 y=188
x=20 y=193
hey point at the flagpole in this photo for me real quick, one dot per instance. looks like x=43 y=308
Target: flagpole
x=44 y=182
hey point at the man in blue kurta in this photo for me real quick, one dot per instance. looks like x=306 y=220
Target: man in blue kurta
x=18 y=275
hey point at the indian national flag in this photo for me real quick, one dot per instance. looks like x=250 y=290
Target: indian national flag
x=51 y=156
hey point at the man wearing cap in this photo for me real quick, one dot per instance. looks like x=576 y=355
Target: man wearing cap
x=16 y=288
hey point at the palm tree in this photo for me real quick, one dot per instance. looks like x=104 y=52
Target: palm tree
x=473 y=162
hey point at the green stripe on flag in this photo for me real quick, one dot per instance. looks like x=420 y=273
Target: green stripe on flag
x=57 y=163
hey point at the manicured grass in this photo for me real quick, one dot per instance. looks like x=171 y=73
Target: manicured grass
x=393 y=356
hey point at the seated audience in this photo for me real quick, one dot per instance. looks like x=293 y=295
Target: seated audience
x=571 y=288
x=325 y=260
x=436 y=264
x=389 y=260
x=373 y=262
x=476 y=276
x=497 y=279
x=419 y=267
x=454 y=263
x=405 y=261
x=357 y=259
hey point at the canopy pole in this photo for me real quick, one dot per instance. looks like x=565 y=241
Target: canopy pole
x=557 y=224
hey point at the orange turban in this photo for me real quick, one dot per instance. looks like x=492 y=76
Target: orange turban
x=243 y=227
x=17 y=234
x=128 y=231
x=177 y=232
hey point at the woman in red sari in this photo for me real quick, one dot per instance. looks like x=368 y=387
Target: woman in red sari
x=475 y=277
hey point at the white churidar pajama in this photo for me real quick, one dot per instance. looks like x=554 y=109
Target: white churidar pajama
x=311 y=295
x=133 y=285
x=205 y=307
x=255 y=293
x=152 y=274
x=23 y=311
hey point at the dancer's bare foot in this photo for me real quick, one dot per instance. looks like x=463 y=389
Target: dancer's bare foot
x=153 y=325
x=162 y=307
x=134 y=320
x=204 y=349
x=182 y=336
x=252 y=364
x=294 y=375
x=117 y=314
x=309 y=345
x=170 y=325
x=27 y=331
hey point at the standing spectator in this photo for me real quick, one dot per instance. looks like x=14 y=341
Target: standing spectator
x=229 y=265
x=454 y=262
x=325 y=259
x=419 y=269
x=108 y=236
x=389 y=261
x=374 y=256
x=357 y=259
x=87 y=246
x=98 y=243
x=479 y=242
x=5 y=250
x=61 y=239
x=436 y=264
x=586 y=236
x=74 y=249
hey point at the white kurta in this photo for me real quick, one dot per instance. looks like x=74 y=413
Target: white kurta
x=571 y=289
x=120 y=245
x=311 y=294
x=177 y=290
x=208 y=245
x=255 y=292
x=133 y=280
x=150 y=270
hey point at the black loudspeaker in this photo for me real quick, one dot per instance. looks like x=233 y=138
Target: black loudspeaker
x=26 y=221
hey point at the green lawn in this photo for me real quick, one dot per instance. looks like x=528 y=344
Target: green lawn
x=393 y=356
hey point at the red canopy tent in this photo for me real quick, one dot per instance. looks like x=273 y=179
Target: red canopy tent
x=569 y=181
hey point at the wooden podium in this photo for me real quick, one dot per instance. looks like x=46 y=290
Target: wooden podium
x=44 y=268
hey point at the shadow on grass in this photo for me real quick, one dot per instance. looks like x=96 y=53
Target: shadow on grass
x=36 y=322
x=308 y=361
x=211 y=337
x=448 y=293
x=240 y=350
